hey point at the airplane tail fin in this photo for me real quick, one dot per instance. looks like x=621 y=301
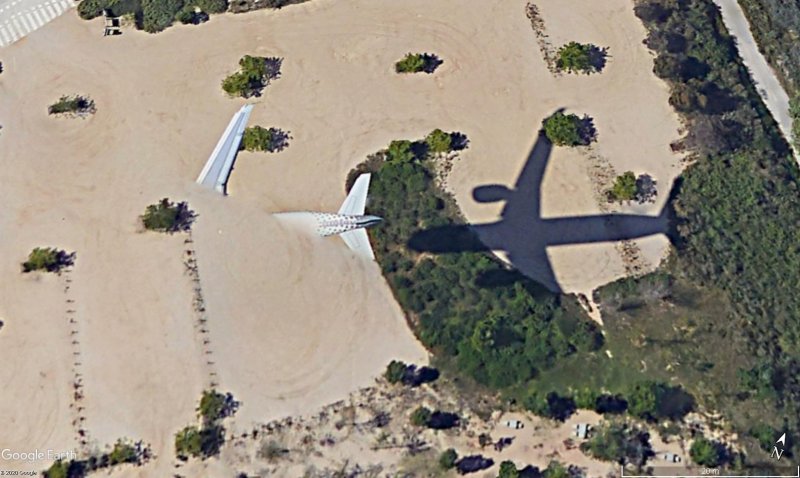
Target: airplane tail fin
x=356 y=201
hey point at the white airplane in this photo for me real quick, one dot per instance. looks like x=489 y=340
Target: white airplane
x=217 y=169
x=350 y=223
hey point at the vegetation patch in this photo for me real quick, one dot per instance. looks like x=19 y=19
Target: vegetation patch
x=123 y=452
x=418 y=63
x=569 y=129
x=76 y=105
x=254 y=75
x=48 y=259
x=258 y=138
x=577 y=57
x=621 y=443
x=153 y=16
x=627 y=187
x=735 y=212
x=167 y=216
x=206 y=439
x=498 y=326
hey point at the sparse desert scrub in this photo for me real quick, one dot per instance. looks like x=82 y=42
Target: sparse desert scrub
x=254 y=75
x=417 y=63
x=48 y=259
x=169 y=217
x=75 y=105
x=577 y=57
x=124 y=451
x=258 y=138
x=569 y=129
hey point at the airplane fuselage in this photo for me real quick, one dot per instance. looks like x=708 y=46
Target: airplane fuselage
x=329 y=224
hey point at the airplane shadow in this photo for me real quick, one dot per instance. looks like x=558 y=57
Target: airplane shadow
x=524 y=234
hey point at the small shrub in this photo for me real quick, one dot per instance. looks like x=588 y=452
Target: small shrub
x=257 y=138
x=420 y=416
x=576 y=57
x=439 y=142
x=508 y=470
x=401 y=151
x=254 y=75
x=569 y=130
x=448 y=458
x=624 y=188
x=395 y=371
x=47 y=259
x=417 y=63
x=75 y=105
x=213 y=406
x=707 y=453
x=199 y=442
x=272 y=451
x=166 y=216
x=122 y=453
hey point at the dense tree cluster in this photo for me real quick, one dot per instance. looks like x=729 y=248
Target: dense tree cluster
x=254 y=74
x=496 y=324
x=621 y=443
x=738 y=203
x=774 y=24
x=152 y=16
x=169 y=217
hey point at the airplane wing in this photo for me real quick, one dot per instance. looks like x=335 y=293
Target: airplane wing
x=358 y=241
x=356 y=201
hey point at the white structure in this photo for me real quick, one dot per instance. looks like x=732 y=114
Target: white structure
x=218 y=167
x=350 y=222
x=19 y=18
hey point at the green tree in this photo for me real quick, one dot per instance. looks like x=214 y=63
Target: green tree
x=411 y=63
x=169 y=217
x=624 y=188
x=564 y=130
x=122 y=453
x=213 y=406
x=706 y=452
x=448 y=458
x=556 y=470
x=47 y=259
x=421 y=416
x=395 y=371
x=576 y=57
x=59 y=469
x=199 y=442
x=159 y=14
x=75 y=105
x=643 y=400
x=237 y=84
x=257 y=138
x=586 y=398
x=508 y=470
x=401 y=151
x=619 y=443
x=439 y=142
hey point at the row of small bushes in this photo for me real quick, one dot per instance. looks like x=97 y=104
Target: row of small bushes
x=151 y=16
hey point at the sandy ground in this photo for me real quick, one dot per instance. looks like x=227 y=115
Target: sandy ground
x=294 y=321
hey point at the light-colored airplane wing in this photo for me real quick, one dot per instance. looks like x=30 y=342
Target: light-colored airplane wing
x=356 y=201
x=218 y=167
x=358 y=241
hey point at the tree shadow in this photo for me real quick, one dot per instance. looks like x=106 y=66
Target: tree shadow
x=524 y=235
x=598 y=57
x=432 y=62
